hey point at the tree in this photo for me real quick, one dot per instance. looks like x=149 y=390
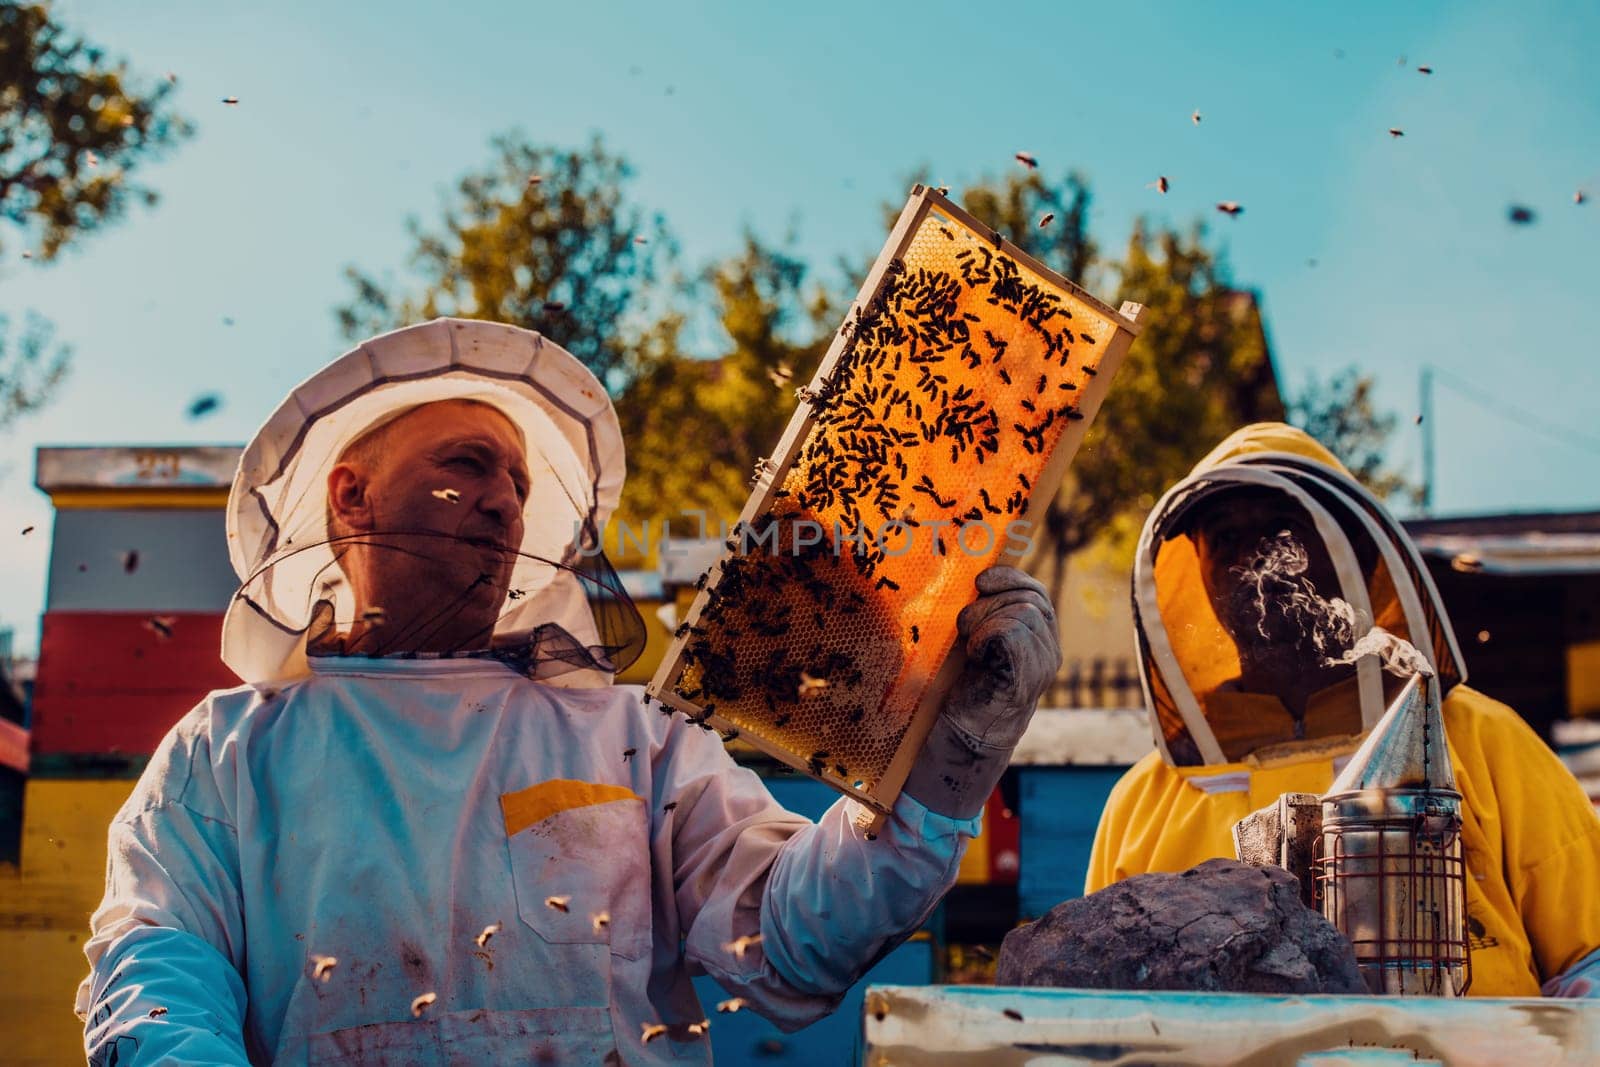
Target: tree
x=1198 y=369
x=74 y=128
x=696 y=427
x=543 y=238
x=1340 y=413
x=31 y=366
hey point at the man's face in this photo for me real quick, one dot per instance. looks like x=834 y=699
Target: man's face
x=437 y=518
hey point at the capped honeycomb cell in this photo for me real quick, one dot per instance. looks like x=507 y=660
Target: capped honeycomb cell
x=952 y=399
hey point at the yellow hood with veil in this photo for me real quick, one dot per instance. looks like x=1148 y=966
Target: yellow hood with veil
x=1530 y=836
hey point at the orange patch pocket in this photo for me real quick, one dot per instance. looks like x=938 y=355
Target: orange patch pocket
x=580 y=860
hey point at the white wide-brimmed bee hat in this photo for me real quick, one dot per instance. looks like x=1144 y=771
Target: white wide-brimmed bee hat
x=566 y=619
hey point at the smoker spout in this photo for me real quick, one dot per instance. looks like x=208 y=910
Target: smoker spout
x=1406 y=749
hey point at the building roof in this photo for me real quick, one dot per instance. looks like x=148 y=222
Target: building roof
x=1526 y=544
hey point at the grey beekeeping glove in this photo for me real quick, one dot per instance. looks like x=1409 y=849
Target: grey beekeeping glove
x=1013 y=653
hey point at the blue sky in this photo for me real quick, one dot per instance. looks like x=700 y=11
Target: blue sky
x=354 y=116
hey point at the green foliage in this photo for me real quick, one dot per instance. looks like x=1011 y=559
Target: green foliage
x=1340 y=414
x=73 y=129
x=1198 y=369
x=541 y=238
x=696 y=427
x=31 y=366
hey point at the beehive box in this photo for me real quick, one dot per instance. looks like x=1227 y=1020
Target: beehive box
x=935 y=433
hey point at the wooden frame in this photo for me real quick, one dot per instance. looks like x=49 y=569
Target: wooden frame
x=880 y=797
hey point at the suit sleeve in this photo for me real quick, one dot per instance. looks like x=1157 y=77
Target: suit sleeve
x=166 y=943
x=786 y=912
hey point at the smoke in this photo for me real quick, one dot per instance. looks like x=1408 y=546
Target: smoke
x=1276 y=602
x=1395 y=654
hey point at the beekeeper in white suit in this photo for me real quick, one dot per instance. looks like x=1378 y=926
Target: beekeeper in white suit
x=430 y=829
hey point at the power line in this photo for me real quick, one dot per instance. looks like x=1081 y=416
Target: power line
x=1511 y=412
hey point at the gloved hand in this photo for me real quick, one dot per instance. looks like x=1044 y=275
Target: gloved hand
x=1013 y=653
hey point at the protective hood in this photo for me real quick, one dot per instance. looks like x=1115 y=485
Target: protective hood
x=562 y=615
x=1254 y=579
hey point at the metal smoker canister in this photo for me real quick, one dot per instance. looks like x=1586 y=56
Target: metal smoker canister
x=1389 y=871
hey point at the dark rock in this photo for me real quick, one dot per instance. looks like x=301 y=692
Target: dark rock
x=1219 y=927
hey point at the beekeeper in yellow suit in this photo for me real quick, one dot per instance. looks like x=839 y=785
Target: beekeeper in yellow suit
x=1253 y=578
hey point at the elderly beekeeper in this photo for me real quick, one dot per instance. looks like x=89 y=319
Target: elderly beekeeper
x=430 y=829
x=1253 y=578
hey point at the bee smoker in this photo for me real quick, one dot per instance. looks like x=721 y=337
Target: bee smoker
x=1379 y=854
x=1387 y=868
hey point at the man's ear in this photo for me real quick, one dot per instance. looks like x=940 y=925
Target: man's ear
x=348 y=498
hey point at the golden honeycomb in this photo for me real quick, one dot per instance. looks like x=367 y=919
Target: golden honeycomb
x=925 y=437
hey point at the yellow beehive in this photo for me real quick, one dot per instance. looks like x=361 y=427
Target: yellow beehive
x=942 y=419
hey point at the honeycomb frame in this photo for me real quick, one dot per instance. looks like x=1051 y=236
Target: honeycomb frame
x=867 y=754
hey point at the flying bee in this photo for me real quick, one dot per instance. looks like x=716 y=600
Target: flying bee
x=231 y=101
x=781 y=374
x=1046 y=219
x=1027 y=160
x=739 y=945
x=1231 y=208
x=535 y=179
x=130 y=561
x=810 y=686
x=1161 y=184
x=1424 y=69
x=600 y=920
x=1395 y=131
x=554 y=307
x=699 y=1029
x=488 y=932
x=652 y=1031
x=558 y=903
x=627 y=754
x=1013 y=1014
x=669 y=805
x=728 y=1007
x=1579 y=197
x=1195 y=118
x=1466 y=563
x=156 y=1013
x=160 y=625
x=421 y=1004
x=451 y=495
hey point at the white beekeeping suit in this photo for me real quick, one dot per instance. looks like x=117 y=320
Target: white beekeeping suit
x=309 y=854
